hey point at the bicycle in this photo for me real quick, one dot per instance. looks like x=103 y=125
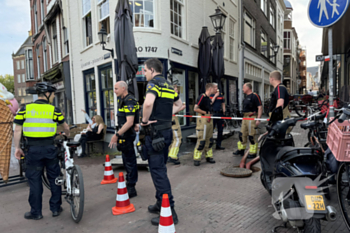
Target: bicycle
x=71 y=178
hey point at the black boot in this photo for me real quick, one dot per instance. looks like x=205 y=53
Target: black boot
x=131 y=190
x=174 y=161
x=210 y=160
x=155 y=221
x=196 y=163
x=251 y=156
x=29 y=215
x=155 y=209
x=239 y=152
x=220 y=147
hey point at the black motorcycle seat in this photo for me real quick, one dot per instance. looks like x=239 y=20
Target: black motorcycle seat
x=289 y=152
x=309 y=124
x=73 y=144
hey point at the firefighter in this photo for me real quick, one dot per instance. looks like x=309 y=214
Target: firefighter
x=204 y=127
x=177 y=136
x=218 y=105
x=252 y=108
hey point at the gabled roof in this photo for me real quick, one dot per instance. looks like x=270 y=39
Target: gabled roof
x=27 y=43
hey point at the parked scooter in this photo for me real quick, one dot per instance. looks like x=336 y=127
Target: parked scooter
x=293 y=177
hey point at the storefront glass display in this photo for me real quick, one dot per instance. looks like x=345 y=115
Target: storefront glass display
x=193 y=89
x=180 y=79
x=90 y=94
x=106 y=79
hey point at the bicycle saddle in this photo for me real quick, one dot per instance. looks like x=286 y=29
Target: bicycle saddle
x=73 y=144
x=308 y=125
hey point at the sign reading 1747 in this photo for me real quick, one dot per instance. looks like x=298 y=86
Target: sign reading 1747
x=324 y=13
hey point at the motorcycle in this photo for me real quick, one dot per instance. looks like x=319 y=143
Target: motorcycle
x=293 y=177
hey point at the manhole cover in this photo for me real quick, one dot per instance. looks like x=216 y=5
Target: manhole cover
x=236 y=172
x=253 y=168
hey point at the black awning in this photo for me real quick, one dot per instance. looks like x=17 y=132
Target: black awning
x=54 y=74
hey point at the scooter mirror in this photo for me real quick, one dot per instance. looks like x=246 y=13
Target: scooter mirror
x=276 y=115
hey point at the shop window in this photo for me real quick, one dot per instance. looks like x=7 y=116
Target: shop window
x=107 y=96
x=232 y=92
x=90 y=93
x=180 y=80
x=193 y=91
x=177 y=18
x=143 y=11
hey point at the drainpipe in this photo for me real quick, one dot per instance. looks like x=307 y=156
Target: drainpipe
x=71 y=70
x=241 y=60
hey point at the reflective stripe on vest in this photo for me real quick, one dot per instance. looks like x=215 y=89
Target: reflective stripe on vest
x=39 y=121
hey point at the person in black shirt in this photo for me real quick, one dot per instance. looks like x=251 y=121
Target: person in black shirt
x=204 y=127
x=128 y=125
x=252 y=108
x=218 y=105
x=280 y=96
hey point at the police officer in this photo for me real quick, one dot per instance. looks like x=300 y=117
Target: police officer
x=218 y=105
x=280 y=96
x=38 y=121
x=177 y=136
x=160 y=103
x=128 y=120
x=252 y=108
x=204 y=127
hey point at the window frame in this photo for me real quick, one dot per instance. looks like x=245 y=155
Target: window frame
x=18 y=65
x=232 y=23
x=154 y=2
x=23 y=78
x=85 y=15
x=272 y=14
x=19 y=78
x=37 y=52
x=183 y=19
x=263 y=6
x=29 y=64
x=54 y=42
x=44 y=54
x=22 y=64
x=42 y=11
x=262 y=32
x=65 y=41
x=252 y=26
x=287 y=40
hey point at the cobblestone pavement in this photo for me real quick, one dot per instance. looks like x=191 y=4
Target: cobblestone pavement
x=204 y=200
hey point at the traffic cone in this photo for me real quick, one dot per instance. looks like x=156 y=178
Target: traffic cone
x=109 y=175
x=122 y=205
x=166 y=223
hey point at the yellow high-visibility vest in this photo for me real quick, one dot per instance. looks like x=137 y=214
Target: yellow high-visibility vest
x=39 y=121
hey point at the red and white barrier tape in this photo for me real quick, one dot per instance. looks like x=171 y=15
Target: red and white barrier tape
x=232 y=118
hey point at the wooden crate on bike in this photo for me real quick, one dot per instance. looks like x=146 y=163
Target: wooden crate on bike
x=338 y=140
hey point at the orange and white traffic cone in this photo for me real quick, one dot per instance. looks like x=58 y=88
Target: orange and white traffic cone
x=108 y=175
x=166 y=222
x=122 y=205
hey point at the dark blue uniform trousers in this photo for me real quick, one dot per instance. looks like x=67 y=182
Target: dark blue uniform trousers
x=129 y=159
x=219 y=124
x=37 y=158
x=157 y=165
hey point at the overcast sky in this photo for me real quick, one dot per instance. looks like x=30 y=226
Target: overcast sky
x=15 y=24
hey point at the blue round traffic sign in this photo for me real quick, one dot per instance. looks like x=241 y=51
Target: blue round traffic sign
x=324 y=13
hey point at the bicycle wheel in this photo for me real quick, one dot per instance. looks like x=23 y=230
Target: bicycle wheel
x=46 y=181
x=343 y=192
x=77 y=199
